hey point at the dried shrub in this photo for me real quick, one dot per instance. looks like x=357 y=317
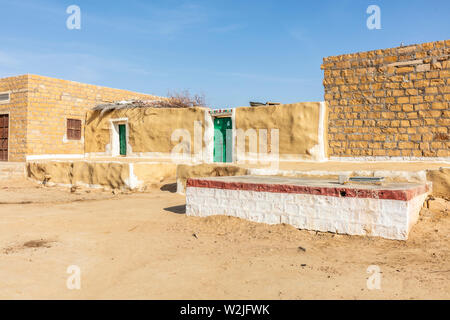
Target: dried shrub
x=182 y=99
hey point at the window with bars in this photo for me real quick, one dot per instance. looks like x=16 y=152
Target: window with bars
x=73 y=129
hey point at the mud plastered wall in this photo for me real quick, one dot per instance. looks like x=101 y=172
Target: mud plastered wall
x=184 y=172
x=52 y=101
x=152 y=132
x=301 y=129
x=389 y=103
x=101 y=174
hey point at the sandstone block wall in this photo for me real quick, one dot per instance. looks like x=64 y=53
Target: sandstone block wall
x=389 y=103
x=17 y=111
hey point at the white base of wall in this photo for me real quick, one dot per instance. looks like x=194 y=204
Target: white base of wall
x=390 y=159
x=391 y=219
x=54 y=156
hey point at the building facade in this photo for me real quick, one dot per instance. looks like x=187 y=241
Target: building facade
x=391 y=103
x=43 y=117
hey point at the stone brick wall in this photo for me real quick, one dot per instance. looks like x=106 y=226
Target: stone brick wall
x=53 y=101
x=17 y=111
x=389 y=103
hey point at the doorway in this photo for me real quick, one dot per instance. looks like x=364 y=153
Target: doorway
x=119 y=137
x=4 y=135
x=223 y=139
x=122 y=140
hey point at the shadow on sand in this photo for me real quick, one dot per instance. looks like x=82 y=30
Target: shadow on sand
x=177 y=209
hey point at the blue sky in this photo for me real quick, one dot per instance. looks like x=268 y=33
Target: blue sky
x=232 y=51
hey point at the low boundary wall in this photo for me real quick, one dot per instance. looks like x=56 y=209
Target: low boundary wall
x=101 y=174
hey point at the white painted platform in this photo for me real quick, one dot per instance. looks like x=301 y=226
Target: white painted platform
x=387 y=211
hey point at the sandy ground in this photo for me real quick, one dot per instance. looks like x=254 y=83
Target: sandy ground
x=143 y=246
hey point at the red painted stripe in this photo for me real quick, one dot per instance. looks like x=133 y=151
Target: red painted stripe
x=341 y=192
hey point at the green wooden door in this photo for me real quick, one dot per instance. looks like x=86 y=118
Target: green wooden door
x=123 y=139
x=222 y=140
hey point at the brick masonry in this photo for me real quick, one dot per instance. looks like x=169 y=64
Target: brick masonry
x=389 y=103
x=17 y=111
x=39 y=109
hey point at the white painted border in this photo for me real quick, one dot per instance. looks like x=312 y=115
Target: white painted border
x=53 y=156
x=391 y=159
x=231 y=115
x=208 y=137
x=233 y=136
x=114 y=136
x=133 y=181
x=321 y=156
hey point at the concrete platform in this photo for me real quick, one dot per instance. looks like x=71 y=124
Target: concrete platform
x=388 y=210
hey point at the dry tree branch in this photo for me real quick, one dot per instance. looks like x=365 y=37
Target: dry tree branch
x=182 y=99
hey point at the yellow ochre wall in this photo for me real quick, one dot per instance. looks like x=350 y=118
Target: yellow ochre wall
x=298 y=126
x=150 y=129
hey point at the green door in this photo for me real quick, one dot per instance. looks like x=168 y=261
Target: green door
x=222 y=140
x=123 y=139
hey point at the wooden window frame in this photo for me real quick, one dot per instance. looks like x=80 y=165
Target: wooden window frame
x=8 y=125
x=74 y=127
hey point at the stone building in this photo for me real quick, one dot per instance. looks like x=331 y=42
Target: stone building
x=43 y=118
x=389 y=104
